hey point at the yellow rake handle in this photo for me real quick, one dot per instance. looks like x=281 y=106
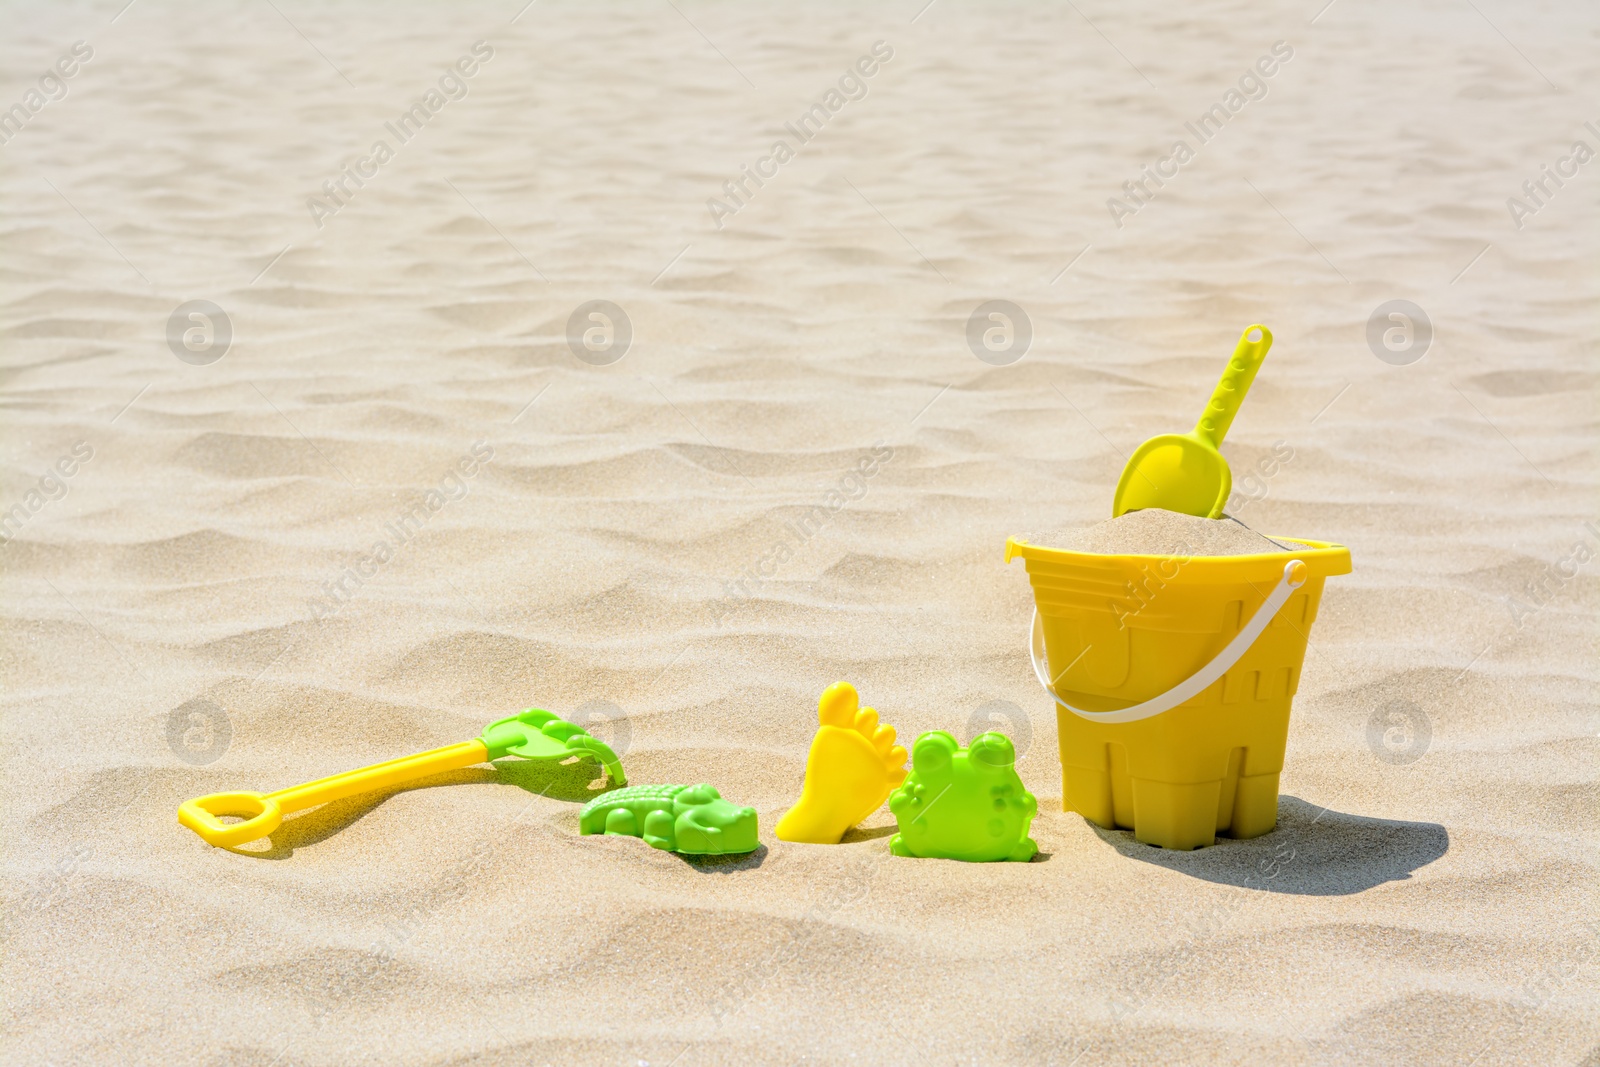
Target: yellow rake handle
x=263 y=812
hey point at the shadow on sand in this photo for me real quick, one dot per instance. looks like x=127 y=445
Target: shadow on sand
x=867 y=833
x=743 y=861
x=1314 y=851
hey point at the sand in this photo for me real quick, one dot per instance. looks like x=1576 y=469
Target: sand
x=1155 y=531
x=799 y=472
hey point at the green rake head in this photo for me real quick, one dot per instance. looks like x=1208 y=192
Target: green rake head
x=537 y=734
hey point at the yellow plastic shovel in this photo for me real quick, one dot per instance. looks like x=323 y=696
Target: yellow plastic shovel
x=1184 y=471
x=535 y=734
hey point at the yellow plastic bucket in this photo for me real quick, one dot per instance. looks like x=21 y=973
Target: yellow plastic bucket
x=1173 y=677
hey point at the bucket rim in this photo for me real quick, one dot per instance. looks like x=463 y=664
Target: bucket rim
x=1326 y=558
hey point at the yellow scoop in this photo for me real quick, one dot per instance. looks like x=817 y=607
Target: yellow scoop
x=1184 y=471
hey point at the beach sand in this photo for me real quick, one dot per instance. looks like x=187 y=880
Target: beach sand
x=798 y=472
x=1155 y=531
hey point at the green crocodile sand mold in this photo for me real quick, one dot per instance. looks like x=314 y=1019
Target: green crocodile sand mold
x=693 y=820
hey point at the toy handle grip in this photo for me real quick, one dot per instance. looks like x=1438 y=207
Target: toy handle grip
x=261 y=813
x=1235 y=383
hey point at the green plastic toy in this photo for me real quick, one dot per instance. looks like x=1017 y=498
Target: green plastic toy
x=963 y=803
x=537 y=734
x=694 y=820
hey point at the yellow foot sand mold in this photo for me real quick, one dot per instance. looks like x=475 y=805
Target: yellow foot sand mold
x=853 y=766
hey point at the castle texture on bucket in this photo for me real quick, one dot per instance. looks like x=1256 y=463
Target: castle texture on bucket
x=1121 y=631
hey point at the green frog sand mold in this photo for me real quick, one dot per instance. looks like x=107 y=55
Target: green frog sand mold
x=963 y=803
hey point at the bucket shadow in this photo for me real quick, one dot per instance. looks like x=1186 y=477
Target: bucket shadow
x=573 y=781
x=1314 y=851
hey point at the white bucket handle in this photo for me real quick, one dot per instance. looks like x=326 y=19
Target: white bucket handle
x=1294 y=576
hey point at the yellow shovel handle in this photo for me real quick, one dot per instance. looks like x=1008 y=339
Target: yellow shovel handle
x=263 y=812
x=1235 y=382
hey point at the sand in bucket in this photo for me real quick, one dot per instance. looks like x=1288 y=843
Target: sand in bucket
x=1136 y=612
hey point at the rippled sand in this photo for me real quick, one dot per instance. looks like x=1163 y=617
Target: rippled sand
x=200 y=606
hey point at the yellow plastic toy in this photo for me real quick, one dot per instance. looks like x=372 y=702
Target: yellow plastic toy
x=1173 y=716
x=535 y=734
x=853 y=766
x=1184 y=471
